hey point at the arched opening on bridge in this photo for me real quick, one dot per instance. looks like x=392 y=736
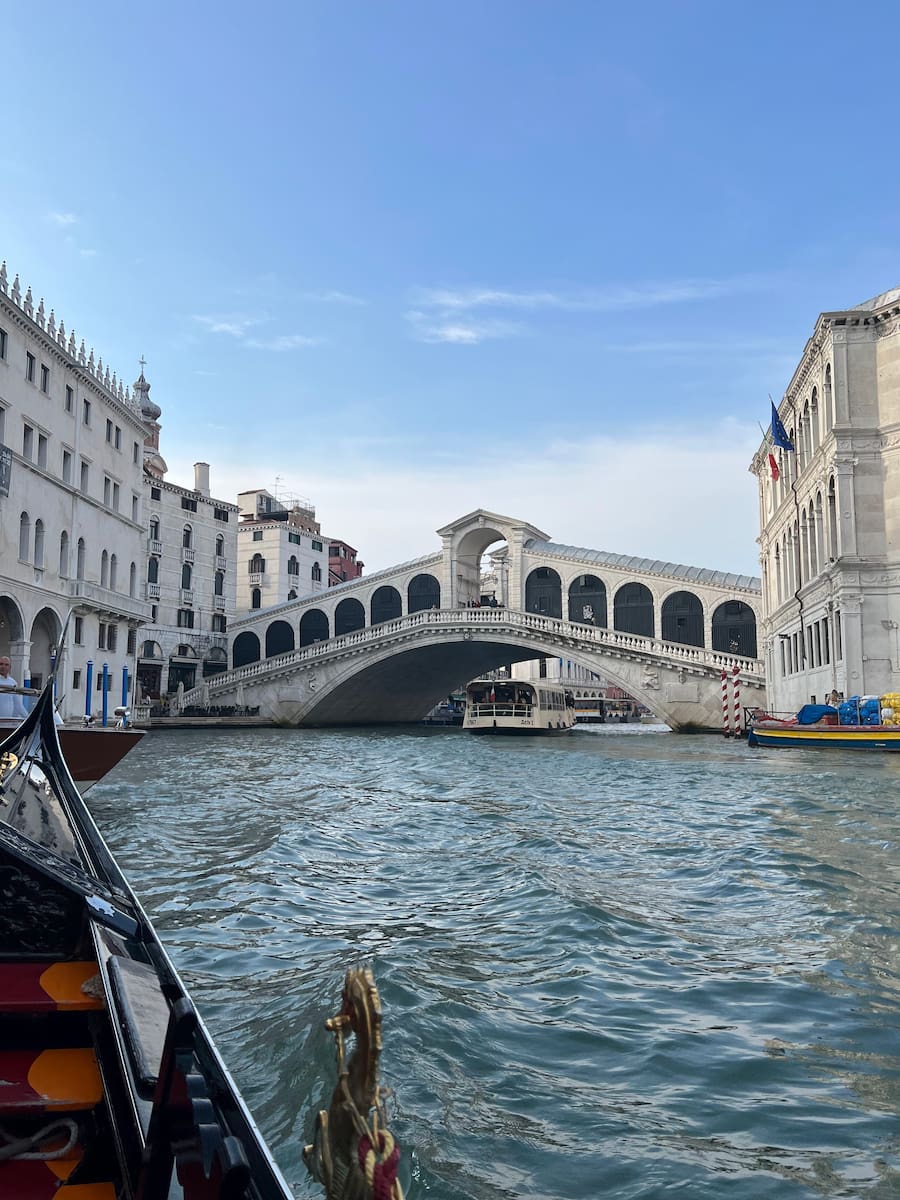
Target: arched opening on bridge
x=633 y=610
x=279 y=638
x=734 y=629
x=348 y=617
x=245 y=650
x=682 y=619
x=423 y=592
x=587 y=601
x=543 y=592
x=385 y=604
x=313 y=627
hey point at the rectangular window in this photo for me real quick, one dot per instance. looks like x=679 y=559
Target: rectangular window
x=76 y=680
x=220 y=514
x=136 y=452
x=838 y=639
x=42 y=450
x=112 y=636
x=135 y=501
x=185 y=618
x=101 y=635
x=45 y=378
x=85 y=476
x=2 y=343
x=117 y=438
x=27 y=442
x=70 y=398
x=67 y=466
x=79 y=631
x=132 y=641
x=155 y=493
x=826 y=642
x=188 y=503
x=257 y=535
x=115 y=497
x=107 y=490
x=109 y=428
x=295 y=538
x=218 y=623
x=29 y=367
x=317 y=546
x=86 y=412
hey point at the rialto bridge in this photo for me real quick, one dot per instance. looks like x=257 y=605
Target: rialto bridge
x=387 y=647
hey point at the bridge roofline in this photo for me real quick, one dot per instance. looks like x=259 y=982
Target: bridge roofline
x=483 y=516
x=646 y=566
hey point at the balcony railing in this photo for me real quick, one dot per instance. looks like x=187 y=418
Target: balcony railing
x=108 y=601
x=154 y=545
x=187 y=554
x=152 y=591
x=221 y=563
x=219 y=603
x=256 y=578
x=187 y=595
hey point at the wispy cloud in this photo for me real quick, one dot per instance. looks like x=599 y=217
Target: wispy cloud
x=458 y=329
x=234 y=326
x=604 y=299
x=332 y=296
x=62 y=219
x=87 y=253
x=286 y=341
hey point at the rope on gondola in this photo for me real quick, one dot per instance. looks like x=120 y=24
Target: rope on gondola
x=28 y=1147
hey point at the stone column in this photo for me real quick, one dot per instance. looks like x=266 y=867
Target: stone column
x=845 y=507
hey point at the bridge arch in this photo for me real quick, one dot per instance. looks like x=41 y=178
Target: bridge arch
x=279 y=638
x=633 y=610
x=385 y=605
x=734 y=629
x=543 y=592
x=245 y=649
x=587 y=601
x=423 y=592
x=349 y=616
x=682 y=619
x=313 y=627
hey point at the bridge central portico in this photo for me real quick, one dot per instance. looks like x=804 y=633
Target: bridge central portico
x=388 y=646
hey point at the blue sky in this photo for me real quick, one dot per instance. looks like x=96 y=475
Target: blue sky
x=411 y=259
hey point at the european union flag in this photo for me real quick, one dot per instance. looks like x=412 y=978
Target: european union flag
x=779 y=433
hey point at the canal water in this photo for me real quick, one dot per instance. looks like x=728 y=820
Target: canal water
x=621 y=963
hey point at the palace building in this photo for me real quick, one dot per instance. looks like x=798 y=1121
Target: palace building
x=829 y=514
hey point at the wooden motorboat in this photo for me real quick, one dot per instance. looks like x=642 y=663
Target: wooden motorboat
x=769 y=732
x=110 y=1085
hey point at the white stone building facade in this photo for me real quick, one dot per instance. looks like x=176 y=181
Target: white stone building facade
x=281 y=552
x=71 y=508
x=830 y=524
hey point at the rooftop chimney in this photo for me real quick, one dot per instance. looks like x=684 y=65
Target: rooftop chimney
x=201 y=478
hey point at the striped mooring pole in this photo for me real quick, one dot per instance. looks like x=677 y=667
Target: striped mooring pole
x=726 y=711
x=736 y=698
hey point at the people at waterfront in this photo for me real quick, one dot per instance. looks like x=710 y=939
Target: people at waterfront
x=833 y=699
x=11 y=705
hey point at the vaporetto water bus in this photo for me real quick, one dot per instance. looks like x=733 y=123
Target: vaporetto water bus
x=515 y=706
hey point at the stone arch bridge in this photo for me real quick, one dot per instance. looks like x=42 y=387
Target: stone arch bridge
x=389 y=646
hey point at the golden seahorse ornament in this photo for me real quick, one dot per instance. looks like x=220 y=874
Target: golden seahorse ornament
x=352 y=1153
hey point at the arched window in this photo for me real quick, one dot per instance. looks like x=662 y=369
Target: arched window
x=734 y=629
x=104 y=569
x=829 y=401
x=814 y=419
x=219 y=584
x=313 y=627
x=257 y=564
x=385 y=604
x=293 y=567
x=292 y=595
x=279 y=638
x=220 y=546
x=316 y=573
x=587 y=601
x=79 y=559
x=423 y=592
x=187 y=537
x=633 y=610
x=154 y=528
x=245 y=649
x=256 y=598
x=132 y=579
x=39 y=543
x=543 y=592
x=682 y=619
x=186 y=575
x=24 y=536
x=113 y=572
x=64 y=554
x=153 y=570
x=832 y=521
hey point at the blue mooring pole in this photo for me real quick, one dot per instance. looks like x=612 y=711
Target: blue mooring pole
x=26 y=700
x=125 y=693
x=105 y=692
x=89 y=682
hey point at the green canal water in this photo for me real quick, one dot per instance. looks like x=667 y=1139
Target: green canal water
x=618 y=964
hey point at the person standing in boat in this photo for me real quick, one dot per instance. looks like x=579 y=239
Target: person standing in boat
x=11 y=705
